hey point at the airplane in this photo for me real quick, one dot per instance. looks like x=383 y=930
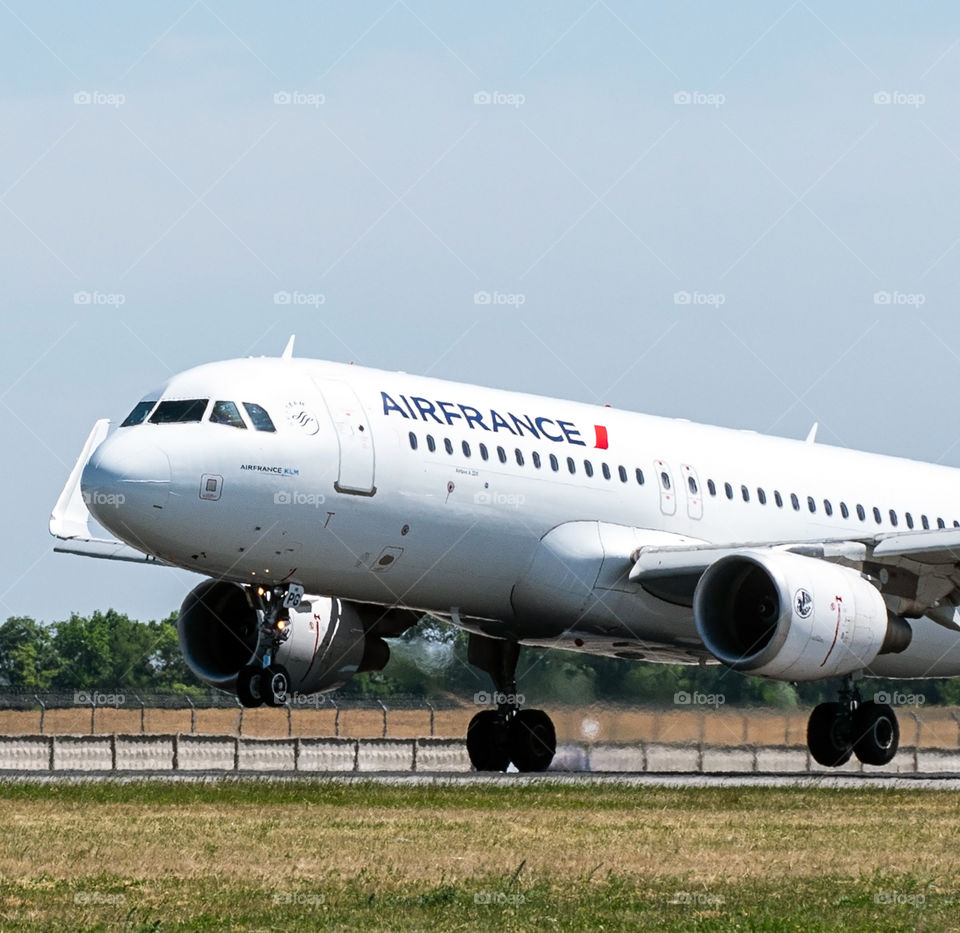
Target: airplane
x=332 y=506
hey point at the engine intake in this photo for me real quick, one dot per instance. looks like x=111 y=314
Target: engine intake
x=328 y=643
x=790 y=617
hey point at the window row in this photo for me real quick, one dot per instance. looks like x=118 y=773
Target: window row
x=554 y=462
x=812 y=507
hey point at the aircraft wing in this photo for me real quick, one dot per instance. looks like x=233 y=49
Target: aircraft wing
x=918 y=571
x=70 y=519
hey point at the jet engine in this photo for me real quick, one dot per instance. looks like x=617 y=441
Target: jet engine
x=789 y=617
x=327 y=644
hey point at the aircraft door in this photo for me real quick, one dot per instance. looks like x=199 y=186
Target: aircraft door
x=357 y=459
x=668 y=495
x=694 y=493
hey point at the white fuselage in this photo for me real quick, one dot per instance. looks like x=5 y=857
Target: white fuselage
x=374 y=488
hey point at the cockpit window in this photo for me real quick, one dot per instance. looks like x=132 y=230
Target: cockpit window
x=259 y=417
x=139 y=414
x=179 y=411
x=226 y=413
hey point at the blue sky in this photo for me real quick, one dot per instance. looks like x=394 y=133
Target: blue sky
x=743 y=214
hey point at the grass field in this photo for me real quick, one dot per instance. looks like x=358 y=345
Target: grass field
x=319 y=855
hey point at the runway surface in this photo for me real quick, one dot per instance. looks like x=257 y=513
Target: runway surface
x=894 y=780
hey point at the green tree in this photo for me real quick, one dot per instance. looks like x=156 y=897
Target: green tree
x=28 y=659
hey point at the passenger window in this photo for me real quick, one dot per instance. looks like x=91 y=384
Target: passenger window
x=639 y=476
x=711 y=487
x=179 y=411
x=138 y=415
x=484 y=453
x=811 y=505
x=448 y=445
x=519 y=454
x=554 y=463
x=778 y=498
x=861 y=514
x=227 y=413
x=827 y=507
x=909 y=519
x=795 y=502
x=431 y=444
x=665 y=479
x=465 y=446
x=588 y=467
x=501 y=455
x=893 y=518
x=536 y=460
x=728 y=489
x=692 y=485
x=761 y=496
x=925 y=522
x=956 y=524
x=605 y=469
x=413 y=441
x=844 y=511
x=745 y=493
x=622 y=473
x=259 y=417
x=571 y=466
x=876 y=515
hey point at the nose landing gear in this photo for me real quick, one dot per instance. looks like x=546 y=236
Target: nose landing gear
x=262 y=681
x=868 y=730
x=507 y=734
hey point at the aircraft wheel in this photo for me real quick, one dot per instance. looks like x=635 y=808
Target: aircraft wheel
x=488 y=741
x=533 y=740
x=876 y=733
x=828 y=735
x=276 y=685
x=250 y=686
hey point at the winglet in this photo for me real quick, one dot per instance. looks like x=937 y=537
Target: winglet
x=812 y=436
x=288 y=350
x=70 y=517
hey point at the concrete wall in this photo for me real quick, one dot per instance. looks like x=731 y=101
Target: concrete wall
x=207 y=753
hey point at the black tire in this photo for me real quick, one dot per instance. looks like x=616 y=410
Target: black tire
x=533 y=740
x=488 y=741
x=876 y=733
x=250 y=686
x=276 y=685
x=828 y=735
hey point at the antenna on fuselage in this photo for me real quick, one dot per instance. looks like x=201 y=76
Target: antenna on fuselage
x=288 y=349
x=811 y=436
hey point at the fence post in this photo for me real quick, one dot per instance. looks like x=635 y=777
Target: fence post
x=143 y=715
x=93 y=714
x=43 y=711
x=432 y=716
x=289 y=720
x=193 y=716
x=336 y=718
x=240 y=717
x=383 y=706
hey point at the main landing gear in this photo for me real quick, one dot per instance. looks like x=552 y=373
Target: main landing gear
x=263 y=682
x=497 y=737
x=867 y=729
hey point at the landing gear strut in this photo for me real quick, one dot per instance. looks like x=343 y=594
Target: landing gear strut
x=262 y=681
x=867 y=729
x=496 y=737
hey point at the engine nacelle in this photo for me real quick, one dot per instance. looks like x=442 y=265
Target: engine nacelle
x=789 y=617
x=328 y=643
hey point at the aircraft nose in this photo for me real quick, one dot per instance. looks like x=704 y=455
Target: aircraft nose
x=125 y=483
